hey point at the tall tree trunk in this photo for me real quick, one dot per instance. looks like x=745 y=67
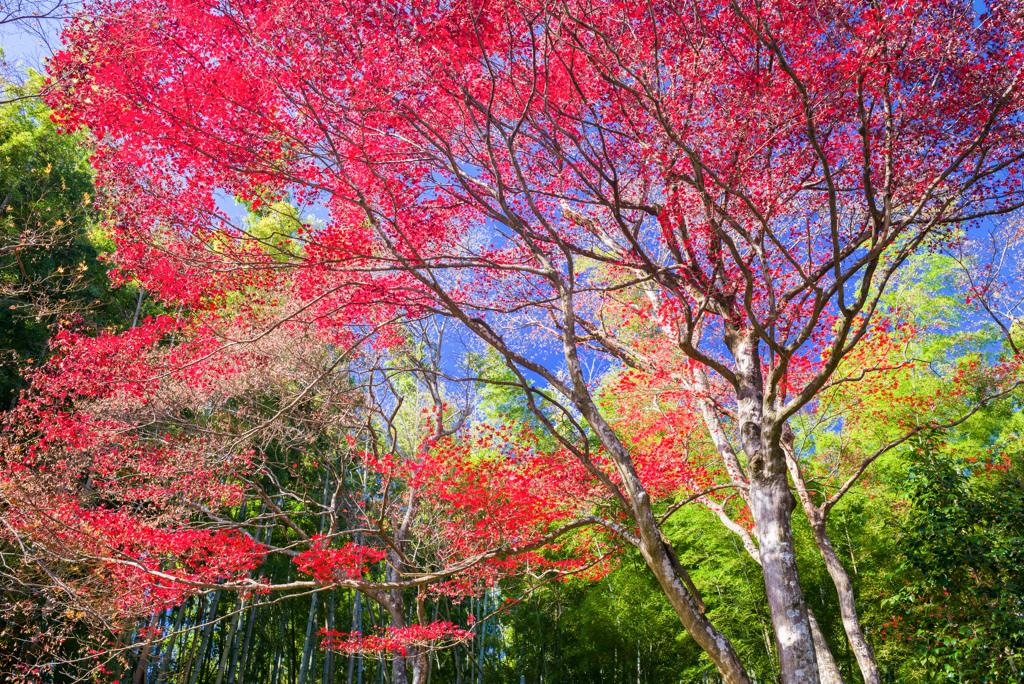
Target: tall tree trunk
x=454 y=651
x=307 y=643
x=827 y=668
x=357 y=626
x=662 y=561
x=243 y=658
x=482 y=607
x=186 y=674
x=236 y=643
x=229 y=639
x=238 y=666
x=294 y=667
x=817 y=516
x=771 y=505
x=329 y=655
x=419 y=658
x=862 y=651
x=672 y=578
x=279 y=657
x=430 y=667
x=398 y=673
x=828 y=671
x=543 y=669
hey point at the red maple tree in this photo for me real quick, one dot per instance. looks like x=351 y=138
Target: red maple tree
x=713 y=195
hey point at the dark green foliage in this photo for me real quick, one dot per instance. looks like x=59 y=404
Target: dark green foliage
x=50 y=272
x=962 y=606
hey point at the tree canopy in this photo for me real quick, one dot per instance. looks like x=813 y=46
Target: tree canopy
x=459 y=302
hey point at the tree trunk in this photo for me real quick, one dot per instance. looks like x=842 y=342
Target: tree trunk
x=229 y=639
x=307 y=643
x=770 y=505
x=236 y=644
x=357 y=626
x=279 y=656
x=201 y=654
x=430 y=667
x=454 y=651
x=398 y=673
x=193 y=648
x=714 y=643
x=244 y=655
x=827 y=668
x=661 y=559
x=482 y=608
x=816 y=515
x=329 y=655
x=294 y=666
x=847 y=606
x=828 y=671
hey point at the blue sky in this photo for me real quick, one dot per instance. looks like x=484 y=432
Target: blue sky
x=26 y=44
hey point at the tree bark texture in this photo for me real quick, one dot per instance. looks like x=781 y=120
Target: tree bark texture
x=714 y=643
x=659 y=559
x=771 y=505
x=827 y=668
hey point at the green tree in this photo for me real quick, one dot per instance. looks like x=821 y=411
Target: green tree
x=961 y=607
x=50 y=272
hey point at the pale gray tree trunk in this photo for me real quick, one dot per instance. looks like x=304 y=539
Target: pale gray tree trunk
x=398 y=671
x=862 y=651
x=243 y=660
x=329 y=655
x=357 y=605
x=632 y=495
x=827 y=667
x=279 y=656
x=817 y=516
x=229 y=638
x=771 y=505
x=660 y=558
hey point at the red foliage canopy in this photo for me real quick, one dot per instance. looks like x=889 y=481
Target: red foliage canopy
x=713 y=194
